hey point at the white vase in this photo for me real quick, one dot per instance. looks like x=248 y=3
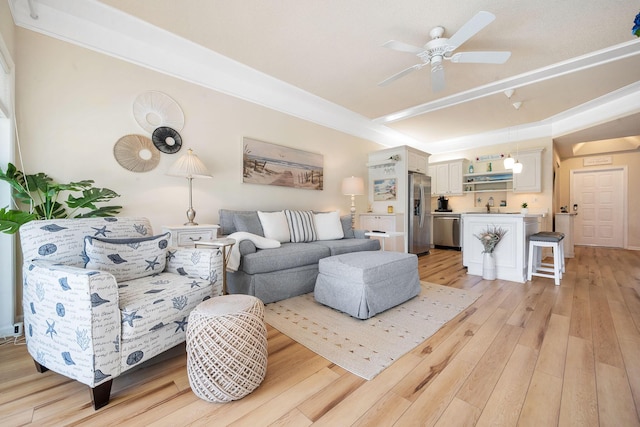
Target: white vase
x=524 y=211
x=488 y=266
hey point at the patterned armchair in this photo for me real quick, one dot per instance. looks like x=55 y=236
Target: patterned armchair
x=102 y=295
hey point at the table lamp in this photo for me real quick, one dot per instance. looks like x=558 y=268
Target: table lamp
x=189 y=166
x=353 y=186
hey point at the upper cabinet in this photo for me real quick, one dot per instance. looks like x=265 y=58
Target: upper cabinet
x=446 y=177
x=417 y=161
x=530 y=179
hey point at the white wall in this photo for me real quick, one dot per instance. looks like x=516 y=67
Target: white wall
x=74 y=104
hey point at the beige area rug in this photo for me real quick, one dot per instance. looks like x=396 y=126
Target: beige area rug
x=367 y=347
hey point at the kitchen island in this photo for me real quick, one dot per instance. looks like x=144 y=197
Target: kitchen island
x=512 y=251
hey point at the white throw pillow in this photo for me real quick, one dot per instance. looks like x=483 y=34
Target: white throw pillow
x=328 y=225
x=275 y=226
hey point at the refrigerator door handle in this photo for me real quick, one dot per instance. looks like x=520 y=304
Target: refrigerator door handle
x=421 y=206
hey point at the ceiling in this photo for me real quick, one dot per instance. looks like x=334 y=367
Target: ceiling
x=564 y=55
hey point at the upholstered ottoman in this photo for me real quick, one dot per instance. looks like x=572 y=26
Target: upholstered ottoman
x=364 y=284
x=226 y=347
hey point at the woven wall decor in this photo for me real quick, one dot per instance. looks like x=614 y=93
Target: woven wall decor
x=136 y=153
x=153 y=109
x=167 y=140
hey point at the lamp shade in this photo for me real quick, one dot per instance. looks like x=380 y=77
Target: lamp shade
x=353 y=186
x=189 y=166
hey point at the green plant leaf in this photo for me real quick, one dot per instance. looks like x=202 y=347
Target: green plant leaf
x=40 y=193
x=102 y=211
x=50 y=210
x=11 y=220
x=90 y=197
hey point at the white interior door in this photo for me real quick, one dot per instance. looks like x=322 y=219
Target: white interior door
x=597 y=196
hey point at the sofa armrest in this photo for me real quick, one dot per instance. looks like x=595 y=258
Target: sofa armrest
x=247 y=247
x=72 y=320
x=202 y=263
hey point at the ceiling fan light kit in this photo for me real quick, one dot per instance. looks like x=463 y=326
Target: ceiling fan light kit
x=440 y=48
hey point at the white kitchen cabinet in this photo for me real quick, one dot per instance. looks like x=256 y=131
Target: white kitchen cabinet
x=530 y=179
x=417 y=161
x=511 y=253
x=388 y=223
x=446 y=178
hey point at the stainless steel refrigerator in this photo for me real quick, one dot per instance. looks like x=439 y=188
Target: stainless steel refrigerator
x=419 y=210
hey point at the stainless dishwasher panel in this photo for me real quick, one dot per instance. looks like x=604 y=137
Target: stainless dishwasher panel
x=446 y=231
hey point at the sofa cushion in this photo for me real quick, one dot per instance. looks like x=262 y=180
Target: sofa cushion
x=301 y=226
x=343 y=246
x=248 y=222
x=163 y=301
x=127 y=259
x=289 y=255
x=37 y=237
x=275 y=226
x=346 y=227
x=328 y=225
x=226 y=220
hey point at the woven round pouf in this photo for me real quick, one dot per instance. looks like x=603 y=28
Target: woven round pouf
x=226 y=347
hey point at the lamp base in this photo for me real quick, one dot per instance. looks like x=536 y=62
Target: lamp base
x=191 y=215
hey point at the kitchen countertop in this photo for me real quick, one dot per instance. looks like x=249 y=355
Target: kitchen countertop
x=502 y=214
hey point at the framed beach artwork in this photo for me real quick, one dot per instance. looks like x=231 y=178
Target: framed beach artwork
x=384 y=189
x=272 y=164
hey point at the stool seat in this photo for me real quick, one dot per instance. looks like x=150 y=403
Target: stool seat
x=548 y=239
x=547 y=236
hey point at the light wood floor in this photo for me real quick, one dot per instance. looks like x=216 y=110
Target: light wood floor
x=524 y=354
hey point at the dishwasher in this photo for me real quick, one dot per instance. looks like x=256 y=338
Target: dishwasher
x=447 y=231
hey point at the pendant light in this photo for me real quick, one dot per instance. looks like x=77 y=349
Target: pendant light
x=517 y=166
x=508 y=162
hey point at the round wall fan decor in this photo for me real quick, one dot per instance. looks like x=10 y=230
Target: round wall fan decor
x=167 y=140
x=136 y=153
x=153 y=109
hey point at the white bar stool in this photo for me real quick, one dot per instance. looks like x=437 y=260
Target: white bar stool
x=546 y=239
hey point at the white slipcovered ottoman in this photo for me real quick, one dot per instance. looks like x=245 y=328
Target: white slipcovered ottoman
x=363 y=284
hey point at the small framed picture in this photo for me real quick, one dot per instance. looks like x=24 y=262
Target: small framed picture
x=384 y=189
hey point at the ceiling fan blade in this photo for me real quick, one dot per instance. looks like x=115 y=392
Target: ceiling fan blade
x=481 y=57
x=470 y=28
x=400 y=74
x=403 y=47
x=437 y=78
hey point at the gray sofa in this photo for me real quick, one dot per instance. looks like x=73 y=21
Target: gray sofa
x=290 y=270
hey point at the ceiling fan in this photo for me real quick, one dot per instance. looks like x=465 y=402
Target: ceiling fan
x=440 y=48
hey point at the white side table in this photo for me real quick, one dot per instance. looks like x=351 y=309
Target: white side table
x=384 y=235
x=225 y=245
x=189 y=235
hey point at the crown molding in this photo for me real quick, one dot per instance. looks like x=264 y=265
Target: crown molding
x=101 y=28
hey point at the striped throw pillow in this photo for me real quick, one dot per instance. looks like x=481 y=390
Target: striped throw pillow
x=301 y=226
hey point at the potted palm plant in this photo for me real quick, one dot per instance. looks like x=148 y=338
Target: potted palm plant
x=524 y=208
x=37 y=197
